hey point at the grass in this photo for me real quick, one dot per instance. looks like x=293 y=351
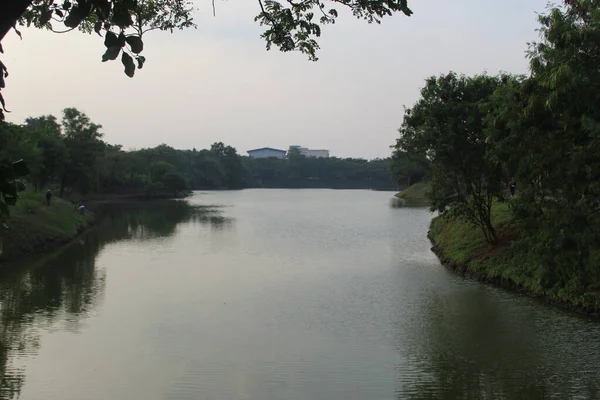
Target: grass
x=33 y=226
x=509 y=263
x=415 y=195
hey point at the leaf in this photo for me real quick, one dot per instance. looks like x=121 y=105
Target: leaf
x=45 y=15
x=111 y=53
x=78 y=13
x=66 y=5
x=141 y=60
x=407 y=11
x=129 y=65
x=1 y=49
x=18 y=32
x=122 y=39
x=98 y=27
x=20 y=168
x=121 y=16
x=137 y=46
x=110 y=39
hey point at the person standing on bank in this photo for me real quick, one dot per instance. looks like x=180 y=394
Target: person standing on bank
x=48 y=197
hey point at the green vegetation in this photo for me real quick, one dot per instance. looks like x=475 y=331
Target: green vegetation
x=298 y=171
x=416 y=193
x=290 y=26
x=70 y=158
x=510 y=263
x=543 y=129
x=34 y=225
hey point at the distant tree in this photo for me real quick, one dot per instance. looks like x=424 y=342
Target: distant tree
x=122 y=23
x=84 y=144
x=47 y=131
x=174 y=183
x=231 y=163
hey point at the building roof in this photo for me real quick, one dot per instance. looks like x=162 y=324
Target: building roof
x=268 y=148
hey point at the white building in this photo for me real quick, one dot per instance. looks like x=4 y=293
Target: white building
x=311 y=153
x=266 y=152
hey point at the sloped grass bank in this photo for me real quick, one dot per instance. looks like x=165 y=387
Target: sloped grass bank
x=460 y=246
x=34 y=227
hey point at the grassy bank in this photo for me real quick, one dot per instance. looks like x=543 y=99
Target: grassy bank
x=414 y=195
x=34 y=227
x=461 y=247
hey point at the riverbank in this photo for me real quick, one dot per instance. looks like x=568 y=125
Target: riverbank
x=413 y=196
x=34 y=227
x=460 y=247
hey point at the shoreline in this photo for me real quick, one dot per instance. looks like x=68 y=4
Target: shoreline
x=34 y=228
x=463 y=270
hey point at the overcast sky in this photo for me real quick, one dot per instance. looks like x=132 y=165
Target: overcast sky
x=218 y=83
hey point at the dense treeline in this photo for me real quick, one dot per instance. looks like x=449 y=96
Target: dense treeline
x=71 y=157
x=298 y=171
x=542 y=129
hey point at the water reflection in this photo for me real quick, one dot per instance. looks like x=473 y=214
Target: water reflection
x=159 y=219
x=484 y=345
x=66 y=286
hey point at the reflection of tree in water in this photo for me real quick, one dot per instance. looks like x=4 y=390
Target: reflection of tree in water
x=63 y=283
x=67 y=283
x=149 y=220
x=473 y=346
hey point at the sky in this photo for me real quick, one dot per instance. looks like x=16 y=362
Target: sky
x=218 y=83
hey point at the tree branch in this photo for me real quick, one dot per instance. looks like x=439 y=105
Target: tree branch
x=10 y=13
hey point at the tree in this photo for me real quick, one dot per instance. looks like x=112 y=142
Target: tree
x=547 y=128
x=408 y=168
x=231 y=162
x=174 y=183
x=54 y=154
x=10 y=186
x=447 y=126
x=84 y=144
x=122 y=23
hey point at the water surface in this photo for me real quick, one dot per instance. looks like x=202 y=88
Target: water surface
x=277 y=294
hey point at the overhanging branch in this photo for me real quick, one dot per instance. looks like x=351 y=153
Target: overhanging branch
x=10 y=12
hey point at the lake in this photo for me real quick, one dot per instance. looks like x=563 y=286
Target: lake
x=277 y=294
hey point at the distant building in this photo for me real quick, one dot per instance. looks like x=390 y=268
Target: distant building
x=266 y=152
x=311 y=153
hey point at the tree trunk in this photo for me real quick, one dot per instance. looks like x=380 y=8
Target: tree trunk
x=10 y=12
x=493 y=237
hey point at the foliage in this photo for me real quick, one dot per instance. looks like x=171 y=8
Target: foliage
x=461 y=244
x=83 y=142
x=72 y=159
x=294 y=26
x=122 y=24
x=298 y=171
x=542 y=129
x=447 y=126
x=408 y=168
x=547 y=127
x=10 y=185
